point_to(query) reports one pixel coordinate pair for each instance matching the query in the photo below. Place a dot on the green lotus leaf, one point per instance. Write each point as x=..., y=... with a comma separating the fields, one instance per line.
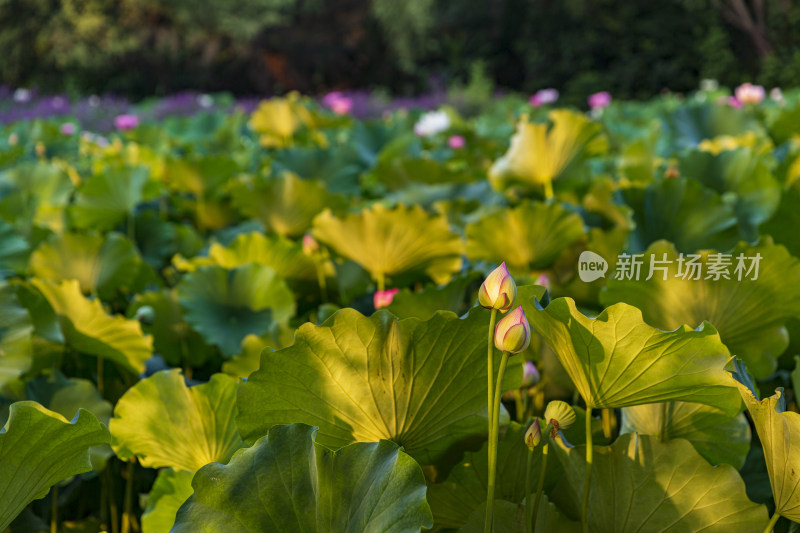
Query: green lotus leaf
x=225, y=306
x=107, y=198
x=527, y=237
x=541, y=152
x=173, y=339
x=510, y=518
x=369, y=378
x=338, y=168
x=16, y=348
x=38, y=194
x=784, y=226
x=779, y=432
x=743, y=173
x=687, y=125
x=423, y=304
x=66, y=396
x=717, y=436
x=642, y=484
x=616, y=360
x=286, y=205
x=88, y=329
x=465, y=487
x=14, y=250
x=397, y=173
x=39, y=448
x=159, y=240
x=682, y=211
x=101, y=264
x=391, y=242
x=750, y=314
x=170, y=490
x=248, y=360
x=199, y=175
x=165, y=423
x=289, y=482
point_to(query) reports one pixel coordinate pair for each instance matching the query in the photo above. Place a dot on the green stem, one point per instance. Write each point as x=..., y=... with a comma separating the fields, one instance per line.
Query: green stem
x=772, y=522
x=112, y=502
x=54, y=510
x=528, y=468
x=519, y=405
x=498, y=392
x=542, y=472
x=127, y=517
x=548, y=190
x=608, y=422
x=381, y=281
x=100, y=386
x=490, y=371
x=588, y=478
x=323, y=286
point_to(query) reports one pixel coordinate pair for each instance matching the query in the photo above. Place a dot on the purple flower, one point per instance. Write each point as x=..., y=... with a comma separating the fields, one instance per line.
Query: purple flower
x=67, y=128
x=126, y=122
x=456, y=142
x=600, y=100
x=337, y=102
x=544, y=97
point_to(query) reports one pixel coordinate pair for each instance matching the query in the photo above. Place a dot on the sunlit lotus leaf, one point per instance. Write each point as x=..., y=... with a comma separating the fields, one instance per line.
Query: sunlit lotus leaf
x=541, y=152
x=423, y=304
x=681, y=211
x=65, y=396
x=617, y=360
x=14, y=250
x=37, y=195
x=750, y=314
x=163, y=422
x=199, y=175
x=779, y=433
x=108, y=198
x=286, y=205
x=510, y=518
x=16, y=349
x=248, y=360
x=224, y=306
x=717, y=436
x=88, y=329
x=101, y=264
x=392, y=242
x=39, y=448
x=369, y=378
x=276, y=120
x=291, y=483
x=785, y=224
x=642, y=484
x=527, y=237
x=170, y=490
x=395, y=173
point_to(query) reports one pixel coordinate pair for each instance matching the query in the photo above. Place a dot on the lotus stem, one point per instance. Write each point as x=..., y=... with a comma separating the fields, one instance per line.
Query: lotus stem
x=772, y=522
x=542, y=473
x=381, y=280
x=498, y=392
x=548, y=190
x=490, y=372
x=127, y=513
x=323, y=286
x=608, y=422
x=528, y=467
x=112, y=502
x=100, y=386
x=588, y=477
x=54, y=510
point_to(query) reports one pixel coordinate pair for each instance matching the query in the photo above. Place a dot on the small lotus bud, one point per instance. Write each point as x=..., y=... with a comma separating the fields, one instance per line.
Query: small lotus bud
x=513, y=333
x=498, y=290
x=560, y=414
x=534, y=435
x=530, y=375
x=310, y=245
x=146, y=315
x=544, y=281
x=384, y=298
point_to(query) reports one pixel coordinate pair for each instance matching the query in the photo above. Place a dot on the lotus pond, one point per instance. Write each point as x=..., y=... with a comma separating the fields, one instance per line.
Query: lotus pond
x=294, y=320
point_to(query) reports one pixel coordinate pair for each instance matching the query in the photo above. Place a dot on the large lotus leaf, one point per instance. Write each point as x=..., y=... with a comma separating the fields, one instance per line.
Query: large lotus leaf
x=510, y=518
x=540, y=152
x=338, y=168
x=88, y=329
x=289, y=482
x=682, y=211
x=779, y=433
x=642, y=484
x=159, y=240
x=165, y=423
x=286, y=205
x=14, y=250
x=39, y=448
x=173, y=339
x=716, y=435
x=785, y=225
x=423, y=304
x=527, y=237
x=396, y=173
x=419, y=383
x=200, y=174
x=749, y=314
x=687, y=125
x=224, y=306
x=248, y=360
x=170, y=490
x=101, y=264
x=107, y=198
x=617, y=360
x=389, y=242
x=39, y=193
x=465, y=487
x=66, y=396
x=16, y=349
x=276, y=120
x=743, y=173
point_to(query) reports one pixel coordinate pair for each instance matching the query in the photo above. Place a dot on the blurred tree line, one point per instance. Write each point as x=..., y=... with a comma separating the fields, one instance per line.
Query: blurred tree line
x=633, y=48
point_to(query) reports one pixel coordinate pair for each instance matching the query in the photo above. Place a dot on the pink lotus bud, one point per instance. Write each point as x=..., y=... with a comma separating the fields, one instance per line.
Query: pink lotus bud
x=513, y=333
x=600, y=100
x=456, y=142
x=67, y=128
x=534, y=435
x=310, y=245
x=126, y=122
x=544, y=97
x=530, y=375
x=338, y=103
x=384, y=298
x=748, y=93
x=498, y=290
x=544, y=281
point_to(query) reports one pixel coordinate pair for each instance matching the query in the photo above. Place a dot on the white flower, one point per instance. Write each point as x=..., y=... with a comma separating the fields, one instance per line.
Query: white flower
x=22, y=95
x=432, y=123
x=776, y=94
x=205, y=100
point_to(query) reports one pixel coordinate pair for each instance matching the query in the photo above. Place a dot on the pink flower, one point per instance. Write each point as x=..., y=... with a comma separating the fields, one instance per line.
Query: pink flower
x=384, y=298
x=530, y=374
x=67, y=128
x=544, y=281
x=498, y=290
x=310, y=245
x=126, y=122
x=544, y=97
x=733, y=102
x=456, y=142
x=747, y=93
x=513, y=333
x=337, y=102
x=600, y=100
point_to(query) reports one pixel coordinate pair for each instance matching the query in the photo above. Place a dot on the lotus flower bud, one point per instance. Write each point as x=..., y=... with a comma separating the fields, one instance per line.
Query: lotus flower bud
x=384, y=298
x=600, y=100
x=530, y=375
x=146, y=315
x=534, y=435
x=747, y=93
x=498, y=290
x=560, y=414
x=513, y=333
x=310, y=245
